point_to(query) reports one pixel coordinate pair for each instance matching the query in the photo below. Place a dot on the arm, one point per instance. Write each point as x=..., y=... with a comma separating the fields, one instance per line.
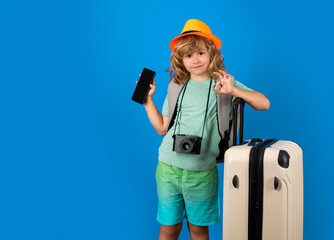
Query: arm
x=255, y=99
x=158, y=121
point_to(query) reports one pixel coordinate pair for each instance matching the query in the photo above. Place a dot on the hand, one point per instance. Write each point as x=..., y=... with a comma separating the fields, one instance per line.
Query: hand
x=225, y=85
x=152, y=88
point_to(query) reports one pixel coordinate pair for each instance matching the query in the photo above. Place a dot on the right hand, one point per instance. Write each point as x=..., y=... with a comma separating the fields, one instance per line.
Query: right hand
x=152, y=86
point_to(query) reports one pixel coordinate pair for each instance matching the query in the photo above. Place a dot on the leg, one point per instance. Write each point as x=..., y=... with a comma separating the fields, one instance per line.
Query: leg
x=198, y=232
x=201, y=195
x=170, y=201
x=170, y=232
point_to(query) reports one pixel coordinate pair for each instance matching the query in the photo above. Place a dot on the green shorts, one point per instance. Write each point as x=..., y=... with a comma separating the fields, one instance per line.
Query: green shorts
x=195, y=193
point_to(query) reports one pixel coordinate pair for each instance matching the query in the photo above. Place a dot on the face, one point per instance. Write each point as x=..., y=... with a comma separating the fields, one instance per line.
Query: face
x=197, y=64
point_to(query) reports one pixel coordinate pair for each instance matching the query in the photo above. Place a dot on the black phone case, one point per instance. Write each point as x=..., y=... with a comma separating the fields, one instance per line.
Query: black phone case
x=143, y=86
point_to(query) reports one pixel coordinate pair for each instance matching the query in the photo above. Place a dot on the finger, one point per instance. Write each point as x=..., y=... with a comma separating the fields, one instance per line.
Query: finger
x=230, y=78
x=152, y=86
x=219, y=91
x=136, y=82
x=218, y=85
x=223, y=73
x=226, y=78
x=218, y=74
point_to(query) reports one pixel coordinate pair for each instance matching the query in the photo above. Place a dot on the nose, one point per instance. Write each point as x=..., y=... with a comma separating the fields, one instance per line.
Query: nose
x=195, y=59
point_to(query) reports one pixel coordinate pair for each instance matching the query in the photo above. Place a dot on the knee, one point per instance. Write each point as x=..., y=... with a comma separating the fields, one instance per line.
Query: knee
x=171, y=231
x=198, y=230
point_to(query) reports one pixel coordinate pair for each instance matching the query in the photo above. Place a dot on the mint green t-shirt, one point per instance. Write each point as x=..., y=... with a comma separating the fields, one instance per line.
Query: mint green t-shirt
x=190, y=122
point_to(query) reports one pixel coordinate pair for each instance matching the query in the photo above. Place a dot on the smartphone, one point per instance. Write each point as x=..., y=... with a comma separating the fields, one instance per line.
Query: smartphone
x=143, y=86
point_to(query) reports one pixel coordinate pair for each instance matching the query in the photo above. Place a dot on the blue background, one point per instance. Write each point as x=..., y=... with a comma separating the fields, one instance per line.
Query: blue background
x=78, y=157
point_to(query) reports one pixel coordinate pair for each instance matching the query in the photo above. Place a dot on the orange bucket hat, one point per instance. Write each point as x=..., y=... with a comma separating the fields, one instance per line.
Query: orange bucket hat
x=196, y=27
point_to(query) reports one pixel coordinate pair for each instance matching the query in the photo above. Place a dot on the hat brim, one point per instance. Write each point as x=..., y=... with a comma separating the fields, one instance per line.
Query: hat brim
x=216, y=41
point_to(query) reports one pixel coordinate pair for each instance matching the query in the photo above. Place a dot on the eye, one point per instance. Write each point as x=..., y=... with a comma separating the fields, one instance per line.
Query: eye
x=187, y=56
x=201, y=53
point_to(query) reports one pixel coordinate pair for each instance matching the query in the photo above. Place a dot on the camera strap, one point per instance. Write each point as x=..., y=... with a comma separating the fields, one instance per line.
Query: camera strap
x=206, y=110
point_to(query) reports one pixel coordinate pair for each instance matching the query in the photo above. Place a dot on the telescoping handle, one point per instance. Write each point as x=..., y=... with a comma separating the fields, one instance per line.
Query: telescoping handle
x=238, y=105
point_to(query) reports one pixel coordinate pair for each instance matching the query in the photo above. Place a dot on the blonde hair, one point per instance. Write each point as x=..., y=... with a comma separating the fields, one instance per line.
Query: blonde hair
x=188, y=44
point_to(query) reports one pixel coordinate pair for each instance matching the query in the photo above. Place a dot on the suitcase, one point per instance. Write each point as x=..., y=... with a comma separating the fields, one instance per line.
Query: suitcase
x=263, y=189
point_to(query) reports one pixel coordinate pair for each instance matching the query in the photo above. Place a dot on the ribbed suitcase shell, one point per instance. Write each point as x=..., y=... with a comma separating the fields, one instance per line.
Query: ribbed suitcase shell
x=282, y=208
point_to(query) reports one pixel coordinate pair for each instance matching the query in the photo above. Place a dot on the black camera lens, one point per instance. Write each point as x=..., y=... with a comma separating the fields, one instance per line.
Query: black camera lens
x=187, y=146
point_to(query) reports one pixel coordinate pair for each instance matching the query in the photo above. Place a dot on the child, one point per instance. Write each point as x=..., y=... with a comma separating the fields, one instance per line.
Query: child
x=192, y=120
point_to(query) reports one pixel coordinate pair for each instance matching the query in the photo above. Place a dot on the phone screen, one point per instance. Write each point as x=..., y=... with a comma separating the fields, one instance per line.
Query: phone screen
x=143, y=86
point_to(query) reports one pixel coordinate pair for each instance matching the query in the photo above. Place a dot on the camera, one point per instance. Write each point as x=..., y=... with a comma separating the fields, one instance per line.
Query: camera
x=187, y=144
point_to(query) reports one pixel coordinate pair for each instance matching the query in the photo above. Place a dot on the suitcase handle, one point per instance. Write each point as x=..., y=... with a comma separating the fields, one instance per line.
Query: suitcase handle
x=238, y=103
x=254, y=141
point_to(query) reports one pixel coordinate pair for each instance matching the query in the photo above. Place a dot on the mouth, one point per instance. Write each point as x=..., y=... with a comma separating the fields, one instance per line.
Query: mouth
x=198, y=66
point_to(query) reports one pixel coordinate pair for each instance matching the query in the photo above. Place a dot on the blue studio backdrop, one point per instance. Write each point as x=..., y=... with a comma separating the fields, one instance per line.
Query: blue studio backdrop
x=78, y=157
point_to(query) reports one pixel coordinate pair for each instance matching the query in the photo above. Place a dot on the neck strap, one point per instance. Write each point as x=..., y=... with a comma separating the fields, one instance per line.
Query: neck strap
x=206, y=110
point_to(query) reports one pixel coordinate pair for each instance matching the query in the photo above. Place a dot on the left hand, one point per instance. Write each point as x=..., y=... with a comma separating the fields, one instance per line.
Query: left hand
x=225, y=85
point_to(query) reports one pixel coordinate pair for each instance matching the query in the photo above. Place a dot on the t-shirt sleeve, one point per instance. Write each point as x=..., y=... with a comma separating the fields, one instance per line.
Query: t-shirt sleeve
x=241, y=86
x=165, y=108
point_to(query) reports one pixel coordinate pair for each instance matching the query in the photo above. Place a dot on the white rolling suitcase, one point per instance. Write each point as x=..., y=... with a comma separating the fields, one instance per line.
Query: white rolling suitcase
x=263, y=191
